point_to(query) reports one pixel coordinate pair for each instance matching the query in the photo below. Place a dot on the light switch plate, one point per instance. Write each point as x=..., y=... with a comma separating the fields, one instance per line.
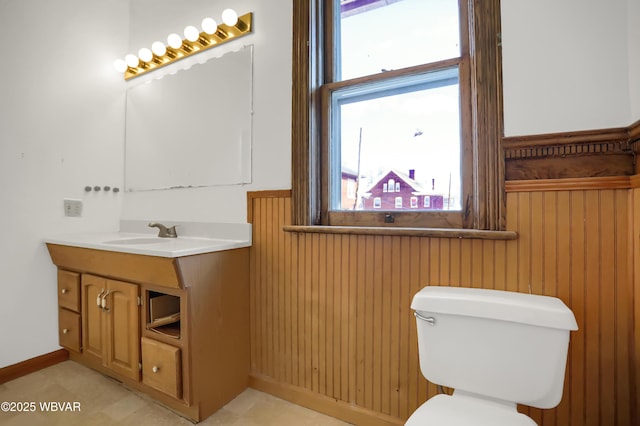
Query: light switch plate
x=72, y=208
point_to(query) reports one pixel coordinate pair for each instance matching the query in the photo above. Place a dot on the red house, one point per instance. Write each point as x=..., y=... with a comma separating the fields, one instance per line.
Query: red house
x=399, y=191
x=349, y=187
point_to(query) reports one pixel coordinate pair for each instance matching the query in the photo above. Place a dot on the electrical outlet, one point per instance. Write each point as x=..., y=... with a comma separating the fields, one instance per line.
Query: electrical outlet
x=72, y=208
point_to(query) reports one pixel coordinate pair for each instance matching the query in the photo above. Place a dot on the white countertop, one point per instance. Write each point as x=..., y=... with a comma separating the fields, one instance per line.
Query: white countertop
x=147, y=243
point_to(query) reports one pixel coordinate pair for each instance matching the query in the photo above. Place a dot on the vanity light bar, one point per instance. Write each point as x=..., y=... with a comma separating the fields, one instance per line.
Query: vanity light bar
x=234, y=26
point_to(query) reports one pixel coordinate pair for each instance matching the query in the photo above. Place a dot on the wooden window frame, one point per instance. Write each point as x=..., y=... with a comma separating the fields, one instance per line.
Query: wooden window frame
x=484, y=206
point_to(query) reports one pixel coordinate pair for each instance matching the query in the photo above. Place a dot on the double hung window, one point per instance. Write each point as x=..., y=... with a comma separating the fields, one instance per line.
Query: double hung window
x=402, y=99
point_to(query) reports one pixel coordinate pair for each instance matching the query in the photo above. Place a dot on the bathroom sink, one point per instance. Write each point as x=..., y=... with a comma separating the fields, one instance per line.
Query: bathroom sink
x=195, y=238
x=133, y=241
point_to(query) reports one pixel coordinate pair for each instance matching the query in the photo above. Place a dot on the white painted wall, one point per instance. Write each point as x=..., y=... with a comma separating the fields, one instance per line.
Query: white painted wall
x=565, y=65
x=61, y=125
x=271, y=158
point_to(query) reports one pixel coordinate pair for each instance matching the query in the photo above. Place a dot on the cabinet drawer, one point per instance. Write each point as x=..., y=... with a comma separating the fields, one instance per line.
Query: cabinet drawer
x=161, y=367
x=69, y=329
x=69, y=290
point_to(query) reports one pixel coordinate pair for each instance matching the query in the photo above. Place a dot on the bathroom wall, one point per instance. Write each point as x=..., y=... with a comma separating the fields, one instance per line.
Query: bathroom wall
x=62, y=121
x=61, y=128
x=332, y=326
x=271, y=157
x=566, y=65
x=634, y=56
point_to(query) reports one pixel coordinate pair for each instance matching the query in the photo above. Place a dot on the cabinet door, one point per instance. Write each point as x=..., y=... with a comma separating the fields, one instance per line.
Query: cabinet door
x=122, y=329
x=92, y=318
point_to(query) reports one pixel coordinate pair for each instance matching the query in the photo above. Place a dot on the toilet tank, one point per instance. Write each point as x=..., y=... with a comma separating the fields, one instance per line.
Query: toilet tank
x=505, y=345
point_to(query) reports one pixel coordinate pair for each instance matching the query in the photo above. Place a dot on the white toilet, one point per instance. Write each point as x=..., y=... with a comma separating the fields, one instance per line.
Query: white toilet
x=495, y=348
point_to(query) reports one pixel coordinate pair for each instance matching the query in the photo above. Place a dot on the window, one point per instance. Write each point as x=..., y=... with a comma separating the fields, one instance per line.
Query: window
x=398, y=202
x=414, y=202
x=396, y=86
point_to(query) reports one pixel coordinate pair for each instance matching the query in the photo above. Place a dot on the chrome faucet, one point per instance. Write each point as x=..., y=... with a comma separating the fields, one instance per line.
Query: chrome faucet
x=164, y=232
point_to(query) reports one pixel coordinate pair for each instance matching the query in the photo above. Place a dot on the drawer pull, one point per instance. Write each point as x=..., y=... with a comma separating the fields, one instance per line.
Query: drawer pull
x=155, y=369
x=65, y=330
x=63, y=291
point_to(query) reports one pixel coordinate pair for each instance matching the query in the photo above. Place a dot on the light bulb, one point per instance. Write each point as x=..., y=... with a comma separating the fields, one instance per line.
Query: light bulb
x=209, y=26
x=229, y=17
x=145, y=54
x=158, y=48
x=191, y=33
x=131, y=60
x=174, y=41
x=120, y=65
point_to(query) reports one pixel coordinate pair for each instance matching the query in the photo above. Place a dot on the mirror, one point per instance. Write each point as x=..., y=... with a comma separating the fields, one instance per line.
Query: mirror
x=191, y=128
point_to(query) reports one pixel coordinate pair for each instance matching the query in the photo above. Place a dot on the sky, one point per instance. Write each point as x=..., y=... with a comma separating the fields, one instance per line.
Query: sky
x=419, y=130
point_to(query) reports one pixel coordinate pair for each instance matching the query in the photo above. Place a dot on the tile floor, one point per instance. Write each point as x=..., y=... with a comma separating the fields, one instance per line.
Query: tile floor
x=106, y=402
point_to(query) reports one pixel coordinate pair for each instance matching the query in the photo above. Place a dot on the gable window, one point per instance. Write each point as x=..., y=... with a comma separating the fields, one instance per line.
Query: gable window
x=406, y=85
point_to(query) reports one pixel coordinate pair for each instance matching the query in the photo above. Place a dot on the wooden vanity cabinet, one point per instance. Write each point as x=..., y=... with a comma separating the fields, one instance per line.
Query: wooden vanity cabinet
x=194, y=364
x=69, y=322
x=111, y=324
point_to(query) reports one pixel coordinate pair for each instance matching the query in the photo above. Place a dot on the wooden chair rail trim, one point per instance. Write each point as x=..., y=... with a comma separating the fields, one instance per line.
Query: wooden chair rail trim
x=599, y=136
x=573, y=184
x=634, y=132
x=590, y=148
x=32, y=365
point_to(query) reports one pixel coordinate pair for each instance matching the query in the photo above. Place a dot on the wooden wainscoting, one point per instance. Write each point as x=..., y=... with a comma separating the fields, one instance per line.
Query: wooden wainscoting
x=332, y=329
x=635, y=236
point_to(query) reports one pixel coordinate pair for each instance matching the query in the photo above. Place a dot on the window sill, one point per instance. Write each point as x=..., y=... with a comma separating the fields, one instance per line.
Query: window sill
x=409, y=232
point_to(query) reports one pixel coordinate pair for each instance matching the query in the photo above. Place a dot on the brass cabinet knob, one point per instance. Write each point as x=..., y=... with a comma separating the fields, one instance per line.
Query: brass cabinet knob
x=63, y=291
x=155, y=369
x=65, y=330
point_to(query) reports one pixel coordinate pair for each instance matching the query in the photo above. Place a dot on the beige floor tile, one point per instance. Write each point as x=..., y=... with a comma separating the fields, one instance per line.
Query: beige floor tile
x=104, y=401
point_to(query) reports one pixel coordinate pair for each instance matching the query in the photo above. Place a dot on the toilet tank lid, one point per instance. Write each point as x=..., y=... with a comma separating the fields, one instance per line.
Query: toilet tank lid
x=542, y=311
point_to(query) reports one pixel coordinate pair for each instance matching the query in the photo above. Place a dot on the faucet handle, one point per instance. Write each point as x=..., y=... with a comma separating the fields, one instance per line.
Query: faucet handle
x=171, y=232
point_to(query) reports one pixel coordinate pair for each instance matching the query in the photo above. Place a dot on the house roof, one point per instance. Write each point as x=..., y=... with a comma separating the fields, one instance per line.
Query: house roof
x=349, y=173
x=415, y=185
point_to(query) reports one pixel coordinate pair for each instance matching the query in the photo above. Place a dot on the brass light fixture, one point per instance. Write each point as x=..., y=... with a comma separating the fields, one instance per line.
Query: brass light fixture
x=177, y=48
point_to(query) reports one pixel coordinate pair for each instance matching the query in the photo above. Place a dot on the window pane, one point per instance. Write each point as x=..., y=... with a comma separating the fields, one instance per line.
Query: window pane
x=379, y=35
x=396, y=140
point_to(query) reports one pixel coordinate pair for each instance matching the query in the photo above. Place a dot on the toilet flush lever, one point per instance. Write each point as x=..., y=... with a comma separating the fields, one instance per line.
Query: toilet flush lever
x=428, y=320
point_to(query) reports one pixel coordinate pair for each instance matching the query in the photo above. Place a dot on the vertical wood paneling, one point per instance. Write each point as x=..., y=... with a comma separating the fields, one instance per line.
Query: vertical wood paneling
x=635, y=270
x=331, y=313
x=577, y=352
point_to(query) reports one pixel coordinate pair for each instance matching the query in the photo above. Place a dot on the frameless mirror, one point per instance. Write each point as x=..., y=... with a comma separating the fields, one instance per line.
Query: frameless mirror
x=191, y=128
